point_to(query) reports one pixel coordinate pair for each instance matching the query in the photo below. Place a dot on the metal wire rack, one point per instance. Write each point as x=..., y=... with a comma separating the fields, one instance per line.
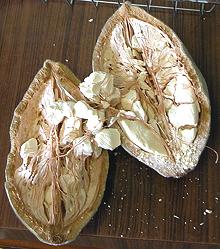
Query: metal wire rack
x=202, y=6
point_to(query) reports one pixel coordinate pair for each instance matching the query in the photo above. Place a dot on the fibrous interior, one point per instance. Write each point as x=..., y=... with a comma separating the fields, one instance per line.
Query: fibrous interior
x=155, y=87
x=61, y=168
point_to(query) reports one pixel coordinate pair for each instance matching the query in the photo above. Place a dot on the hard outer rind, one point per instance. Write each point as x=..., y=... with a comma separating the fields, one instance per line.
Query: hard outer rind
x=40, y=231
x=163, y=166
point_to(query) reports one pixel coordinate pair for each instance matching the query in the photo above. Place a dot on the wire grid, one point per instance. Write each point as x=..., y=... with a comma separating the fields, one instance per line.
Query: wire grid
x=150, y=5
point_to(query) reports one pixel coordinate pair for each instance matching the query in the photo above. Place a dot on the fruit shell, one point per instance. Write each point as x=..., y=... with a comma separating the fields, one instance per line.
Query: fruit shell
x=18, y=130
x=162, y=165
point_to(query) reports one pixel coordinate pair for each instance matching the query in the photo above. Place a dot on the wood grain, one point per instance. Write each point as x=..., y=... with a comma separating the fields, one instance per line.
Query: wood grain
x=140, y=209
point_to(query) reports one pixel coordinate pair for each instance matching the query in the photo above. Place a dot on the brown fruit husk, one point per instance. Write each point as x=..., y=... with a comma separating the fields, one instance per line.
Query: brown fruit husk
x=61, y=225
x=111, y=55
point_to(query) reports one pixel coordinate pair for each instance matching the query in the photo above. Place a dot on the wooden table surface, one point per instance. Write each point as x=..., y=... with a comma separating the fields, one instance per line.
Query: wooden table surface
x=140, y=208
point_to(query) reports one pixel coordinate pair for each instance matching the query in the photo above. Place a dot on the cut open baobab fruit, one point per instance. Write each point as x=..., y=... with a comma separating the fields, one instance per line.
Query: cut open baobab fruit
x=163, y=113
x=56, y=169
